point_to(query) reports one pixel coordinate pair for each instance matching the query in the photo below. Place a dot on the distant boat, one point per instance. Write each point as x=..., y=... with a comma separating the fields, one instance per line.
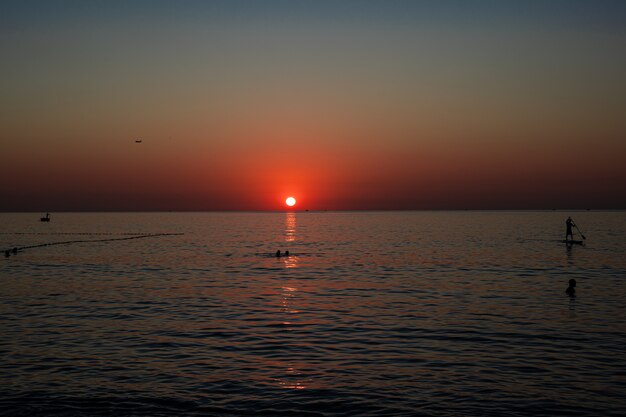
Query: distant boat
x=45, y=219
x=138, y=141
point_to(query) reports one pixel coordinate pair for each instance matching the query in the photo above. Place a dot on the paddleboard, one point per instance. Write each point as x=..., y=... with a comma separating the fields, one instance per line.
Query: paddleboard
x=573, y=242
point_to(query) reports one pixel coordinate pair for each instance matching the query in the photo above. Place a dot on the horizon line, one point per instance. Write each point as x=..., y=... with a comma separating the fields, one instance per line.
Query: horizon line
x=307, y=210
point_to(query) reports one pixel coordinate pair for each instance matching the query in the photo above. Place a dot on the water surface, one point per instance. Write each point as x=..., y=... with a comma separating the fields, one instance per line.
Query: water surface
x=373, y=313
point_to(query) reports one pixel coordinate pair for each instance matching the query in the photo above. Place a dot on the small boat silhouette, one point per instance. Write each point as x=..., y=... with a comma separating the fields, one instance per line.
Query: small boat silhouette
x=138, y=141
x=45, y=219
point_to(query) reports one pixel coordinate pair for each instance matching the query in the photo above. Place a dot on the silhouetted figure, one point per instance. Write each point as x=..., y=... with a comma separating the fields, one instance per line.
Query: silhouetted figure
x=571, y=290
x=286, y=253
x=568, y=228
x=14, y=251
x=278, y=253
x=7, y=253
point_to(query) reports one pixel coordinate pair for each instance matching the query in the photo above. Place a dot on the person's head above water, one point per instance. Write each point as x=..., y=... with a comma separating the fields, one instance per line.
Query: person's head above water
x=571, y=290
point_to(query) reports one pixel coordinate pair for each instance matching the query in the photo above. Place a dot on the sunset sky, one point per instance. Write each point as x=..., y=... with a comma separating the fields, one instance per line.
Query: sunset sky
x=341, y=104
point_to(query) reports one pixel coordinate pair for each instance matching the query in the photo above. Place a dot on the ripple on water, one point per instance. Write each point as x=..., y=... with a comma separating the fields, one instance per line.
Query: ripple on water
x=383, y=314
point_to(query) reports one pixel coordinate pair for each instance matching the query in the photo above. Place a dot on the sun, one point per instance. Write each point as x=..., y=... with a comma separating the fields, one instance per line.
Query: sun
x=290, y=201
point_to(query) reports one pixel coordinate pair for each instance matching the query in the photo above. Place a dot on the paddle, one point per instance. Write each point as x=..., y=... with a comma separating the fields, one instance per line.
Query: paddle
x=581, y=233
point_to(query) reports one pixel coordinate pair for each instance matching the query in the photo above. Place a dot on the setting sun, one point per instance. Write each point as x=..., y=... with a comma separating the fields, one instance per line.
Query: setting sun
x=290, y=201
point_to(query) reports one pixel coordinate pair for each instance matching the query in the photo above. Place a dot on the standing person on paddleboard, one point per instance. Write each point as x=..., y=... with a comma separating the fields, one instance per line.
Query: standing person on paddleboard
x=568, y=228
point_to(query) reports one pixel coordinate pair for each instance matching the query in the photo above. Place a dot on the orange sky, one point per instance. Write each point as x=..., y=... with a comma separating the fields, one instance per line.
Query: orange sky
x=385, y=106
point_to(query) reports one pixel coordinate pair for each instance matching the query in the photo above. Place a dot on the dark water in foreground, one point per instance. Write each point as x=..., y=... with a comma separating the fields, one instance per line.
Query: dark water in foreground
x=374, y=314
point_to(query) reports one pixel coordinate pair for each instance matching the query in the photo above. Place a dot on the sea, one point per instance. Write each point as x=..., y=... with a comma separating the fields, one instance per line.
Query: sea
x=441, y=313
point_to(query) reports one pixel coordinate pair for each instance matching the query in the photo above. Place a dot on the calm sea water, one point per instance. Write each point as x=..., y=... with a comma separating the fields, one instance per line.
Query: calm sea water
x=373, y=314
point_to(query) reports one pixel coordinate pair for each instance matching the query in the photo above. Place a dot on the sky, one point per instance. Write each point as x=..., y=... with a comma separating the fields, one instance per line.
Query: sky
x=345, y=105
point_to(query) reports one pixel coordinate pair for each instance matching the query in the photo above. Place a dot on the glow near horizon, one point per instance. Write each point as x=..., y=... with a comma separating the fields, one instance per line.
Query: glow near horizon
x=465, y=106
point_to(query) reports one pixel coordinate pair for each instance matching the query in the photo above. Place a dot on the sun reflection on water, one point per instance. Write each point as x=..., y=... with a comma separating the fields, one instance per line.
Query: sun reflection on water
x=290, y=261
x=292, y=377
x=290, y=227
x=287, y=294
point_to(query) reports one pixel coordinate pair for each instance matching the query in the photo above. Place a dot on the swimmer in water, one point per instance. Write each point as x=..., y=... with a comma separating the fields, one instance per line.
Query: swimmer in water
x=571, y=290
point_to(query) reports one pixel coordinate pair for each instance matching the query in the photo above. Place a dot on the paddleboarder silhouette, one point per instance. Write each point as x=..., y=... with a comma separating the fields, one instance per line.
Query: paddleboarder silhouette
x=568, y=228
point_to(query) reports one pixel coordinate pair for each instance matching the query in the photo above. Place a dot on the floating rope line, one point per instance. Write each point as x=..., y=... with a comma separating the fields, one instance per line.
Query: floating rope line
x=77, y=233
x=14, y=251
